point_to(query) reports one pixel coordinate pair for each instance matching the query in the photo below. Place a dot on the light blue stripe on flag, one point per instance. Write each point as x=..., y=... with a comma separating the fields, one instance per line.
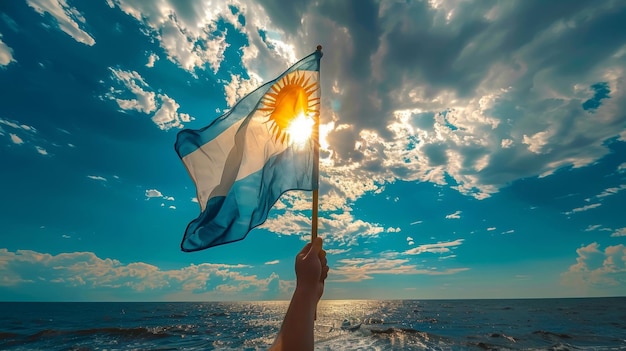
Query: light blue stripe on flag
x=242, y=162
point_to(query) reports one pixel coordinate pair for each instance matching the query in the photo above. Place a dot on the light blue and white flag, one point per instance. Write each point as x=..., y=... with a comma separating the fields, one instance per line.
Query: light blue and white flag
x=247, y=158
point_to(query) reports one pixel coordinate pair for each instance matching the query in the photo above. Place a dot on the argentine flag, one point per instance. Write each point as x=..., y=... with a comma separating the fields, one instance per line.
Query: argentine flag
x=247, y=158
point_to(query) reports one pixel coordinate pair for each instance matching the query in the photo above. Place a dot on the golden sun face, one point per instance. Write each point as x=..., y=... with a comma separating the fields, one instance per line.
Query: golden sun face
x=292, y=106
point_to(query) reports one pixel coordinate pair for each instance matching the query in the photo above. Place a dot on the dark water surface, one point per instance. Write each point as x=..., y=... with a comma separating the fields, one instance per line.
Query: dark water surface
x=528, y=324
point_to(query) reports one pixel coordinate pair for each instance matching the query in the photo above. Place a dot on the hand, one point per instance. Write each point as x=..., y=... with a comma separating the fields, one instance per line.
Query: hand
x=312, y=269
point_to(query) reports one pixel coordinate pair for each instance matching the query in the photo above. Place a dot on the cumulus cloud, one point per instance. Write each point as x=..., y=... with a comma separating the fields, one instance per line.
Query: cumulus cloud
x=340, y=229
x=483, y=93
x=142, y=99
x=187, y=31
x=83, y=272
x=68, y=18
x=596, y=268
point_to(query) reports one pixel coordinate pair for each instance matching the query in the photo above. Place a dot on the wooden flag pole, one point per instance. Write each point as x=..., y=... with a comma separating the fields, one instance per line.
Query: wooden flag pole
x=316, y=163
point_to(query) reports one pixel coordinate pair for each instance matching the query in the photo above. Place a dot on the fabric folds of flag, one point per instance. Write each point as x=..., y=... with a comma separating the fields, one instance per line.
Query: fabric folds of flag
x=247, y=158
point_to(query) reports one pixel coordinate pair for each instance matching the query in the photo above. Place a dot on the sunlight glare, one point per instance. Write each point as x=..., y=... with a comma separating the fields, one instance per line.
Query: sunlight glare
x=300, y=129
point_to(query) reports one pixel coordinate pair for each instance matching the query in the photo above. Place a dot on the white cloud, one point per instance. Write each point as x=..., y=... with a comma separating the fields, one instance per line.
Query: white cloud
x=510, y=231
x=621, y=167
x=591, y=228
x=152, y=59
x=85, y=274
x=153, y=193
x=97, y=178
x=67, y=18
x=597, y=270
x=416, y=222
x=6, y=53
x=491, y=229
x=41, y=150
x=619, y=232
x=168, y=198
x=443, y=247
x=611, y=191
x=146, y=101
x=509, y=114
x=272, y=262
x=240, y=87
x=336, y=228
x=167, y=116
x=358, y=269
x=172, y=207
x=188, y=33
x=455, y=215
x=15, y=139
x=583, y=209
x=142, y=101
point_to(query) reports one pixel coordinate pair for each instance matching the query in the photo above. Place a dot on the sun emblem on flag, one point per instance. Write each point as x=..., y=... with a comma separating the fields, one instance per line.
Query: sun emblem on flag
x=291, y=106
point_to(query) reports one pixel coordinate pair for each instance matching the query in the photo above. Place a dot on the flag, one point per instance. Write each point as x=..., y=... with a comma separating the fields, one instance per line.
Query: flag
x=247, y=158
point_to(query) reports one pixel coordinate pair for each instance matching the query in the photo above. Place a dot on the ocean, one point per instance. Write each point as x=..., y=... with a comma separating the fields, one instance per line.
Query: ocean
x=511, y=324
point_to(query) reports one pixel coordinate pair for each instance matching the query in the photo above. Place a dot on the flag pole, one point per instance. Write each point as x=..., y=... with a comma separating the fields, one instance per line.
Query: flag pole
x=316, y=164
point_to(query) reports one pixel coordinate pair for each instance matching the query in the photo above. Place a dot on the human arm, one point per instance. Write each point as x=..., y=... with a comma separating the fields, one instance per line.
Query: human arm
x=296, y=332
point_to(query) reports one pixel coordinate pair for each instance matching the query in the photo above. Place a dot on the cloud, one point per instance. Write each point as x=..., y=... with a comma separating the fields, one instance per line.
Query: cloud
x=6, y=53
x=153, y=193
x=166, y=115
x=187, y=31
x=582, y=209
x=359, y=269
x=339, y=228
x=596, y=268
x=67, y=18
x=142, y=101
x=455, y=215
x=272, y=262
x=619, y=232
x=491, y=229
x=41, y=150
x=15, y=139
x=480, y=94
x=152, y=59
x=99, y=178
x=84, y=274
x=611, y=191
x=240, y=87
x=442, y=247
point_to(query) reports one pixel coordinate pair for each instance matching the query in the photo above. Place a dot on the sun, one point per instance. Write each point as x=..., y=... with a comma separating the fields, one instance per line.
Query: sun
x=292, y=106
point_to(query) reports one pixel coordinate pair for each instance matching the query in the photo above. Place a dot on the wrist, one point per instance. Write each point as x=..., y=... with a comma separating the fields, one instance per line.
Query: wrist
x=306, y=294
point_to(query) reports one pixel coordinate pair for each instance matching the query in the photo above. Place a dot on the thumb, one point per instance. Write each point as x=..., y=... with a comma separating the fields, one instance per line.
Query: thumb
x=316, y=246
x=305, y=250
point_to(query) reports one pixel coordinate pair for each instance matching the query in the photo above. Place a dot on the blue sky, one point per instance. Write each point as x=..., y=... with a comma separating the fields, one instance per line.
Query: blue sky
x=470, y=149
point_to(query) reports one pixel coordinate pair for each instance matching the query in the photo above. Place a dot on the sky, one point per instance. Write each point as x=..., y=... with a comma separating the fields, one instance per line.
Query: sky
x=469, y=149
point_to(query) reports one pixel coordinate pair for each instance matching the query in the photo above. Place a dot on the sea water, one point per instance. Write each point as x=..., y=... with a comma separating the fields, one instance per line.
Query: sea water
x=528, y=324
